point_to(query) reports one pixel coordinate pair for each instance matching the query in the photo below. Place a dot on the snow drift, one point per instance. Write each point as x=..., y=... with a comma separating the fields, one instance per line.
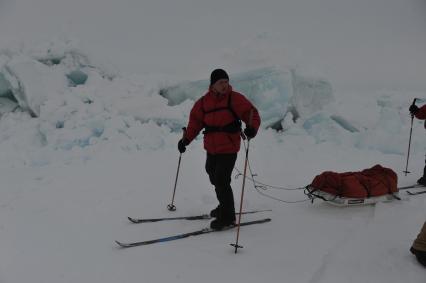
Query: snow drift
x=81, y=107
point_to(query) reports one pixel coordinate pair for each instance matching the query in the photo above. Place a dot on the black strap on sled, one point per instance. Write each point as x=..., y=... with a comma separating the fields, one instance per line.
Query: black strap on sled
x=233, y=127
x=310, y=192
x=365, y=186
x=386, y=183
x=389, y=188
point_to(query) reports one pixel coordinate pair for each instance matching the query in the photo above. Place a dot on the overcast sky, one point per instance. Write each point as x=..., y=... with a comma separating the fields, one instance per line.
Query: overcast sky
x=371, y=44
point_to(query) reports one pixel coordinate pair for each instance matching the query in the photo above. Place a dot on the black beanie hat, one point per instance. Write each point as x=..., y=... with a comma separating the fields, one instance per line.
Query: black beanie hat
x=218, y=74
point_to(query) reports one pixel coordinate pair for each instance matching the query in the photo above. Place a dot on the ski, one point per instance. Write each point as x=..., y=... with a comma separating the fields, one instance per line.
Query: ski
x=185, y=235
x=411, y=187
x=195, y=217
x=415, y=186
x=416, y=193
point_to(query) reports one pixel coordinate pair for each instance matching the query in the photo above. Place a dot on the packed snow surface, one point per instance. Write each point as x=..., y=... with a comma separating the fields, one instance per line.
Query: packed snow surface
x=84, y=143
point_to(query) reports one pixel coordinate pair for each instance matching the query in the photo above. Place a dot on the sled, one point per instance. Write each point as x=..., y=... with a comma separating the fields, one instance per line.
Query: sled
x=369, y=186
x=313, y=194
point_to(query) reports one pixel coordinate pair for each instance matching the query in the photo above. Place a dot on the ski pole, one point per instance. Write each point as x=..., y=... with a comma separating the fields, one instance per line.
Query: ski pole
x=236, y=246
x=409, y=141
x=171, y=206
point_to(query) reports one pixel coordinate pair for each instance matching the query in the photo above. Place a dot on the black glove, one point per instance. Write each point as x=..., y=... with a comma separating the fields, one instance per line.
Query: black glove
x=413, y=109
x=250, y=132
x=182, y=145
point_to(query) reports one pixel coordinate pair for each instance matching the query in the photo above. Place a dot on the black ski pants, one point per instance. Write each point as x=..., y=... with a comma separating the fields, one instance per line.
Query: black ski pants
x=219, y=168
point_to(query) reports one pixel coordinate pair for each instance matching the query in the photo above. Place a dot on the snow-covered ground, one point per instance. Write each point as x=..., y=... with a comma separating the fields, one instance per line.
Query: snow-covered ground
x=59, y=222
x=83, y=145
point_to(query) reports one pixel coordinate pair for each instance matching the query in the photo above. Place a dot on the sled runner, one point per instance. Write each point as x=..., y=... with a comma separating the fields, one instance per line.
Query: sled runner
x=369, y=186
x=344, y=201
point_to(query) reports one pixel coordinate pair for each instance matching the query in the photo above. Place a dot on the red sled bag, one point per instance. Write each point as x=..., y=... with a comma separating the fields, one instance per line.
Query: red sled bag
x=373, y=184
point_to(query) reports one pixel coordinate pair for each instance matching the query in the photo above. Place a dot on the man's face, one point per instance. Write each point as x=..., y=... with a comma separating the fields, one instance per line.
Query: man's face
x=221, y=86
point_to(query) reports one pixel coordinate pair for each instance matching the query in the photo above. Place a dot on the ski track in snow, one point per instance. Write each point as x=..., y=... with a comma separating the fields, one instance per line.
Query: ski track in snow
x=328, y=258
x=344, y=262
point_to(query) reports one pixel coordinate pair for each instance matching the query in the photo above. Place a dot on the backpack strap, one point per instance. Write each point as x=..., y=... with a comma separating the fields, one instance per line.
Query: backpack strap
x=233, y=127
x=230, y=108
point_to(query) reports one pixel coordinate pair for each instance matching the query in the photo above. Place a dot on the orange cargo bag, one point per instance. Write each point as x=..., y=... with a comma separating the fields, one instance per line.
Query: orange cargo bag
x=372, y=182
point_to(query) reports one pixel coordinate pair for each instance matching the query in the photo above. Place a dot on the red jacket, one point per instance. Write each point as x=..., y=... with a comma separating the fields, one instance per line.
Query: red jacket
x=421, y=114
x=212, y=110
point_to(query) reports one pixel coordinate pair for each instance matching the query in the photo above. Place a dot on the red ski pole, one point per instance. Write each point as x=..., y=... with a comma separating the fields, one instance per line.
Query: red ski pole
x=236, y=246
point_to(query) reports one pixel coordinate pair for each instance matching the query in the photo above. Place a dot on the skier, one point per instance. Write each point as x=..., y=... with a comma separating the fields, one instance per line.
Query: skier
x=219, y=112
x=420, y=113
x=419, y=246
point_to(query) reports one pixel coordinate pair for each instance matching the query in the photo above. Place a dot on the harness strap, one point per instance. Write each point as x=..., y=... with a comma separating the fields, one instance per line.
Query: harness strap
x=367, y=187
x=233, y=127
